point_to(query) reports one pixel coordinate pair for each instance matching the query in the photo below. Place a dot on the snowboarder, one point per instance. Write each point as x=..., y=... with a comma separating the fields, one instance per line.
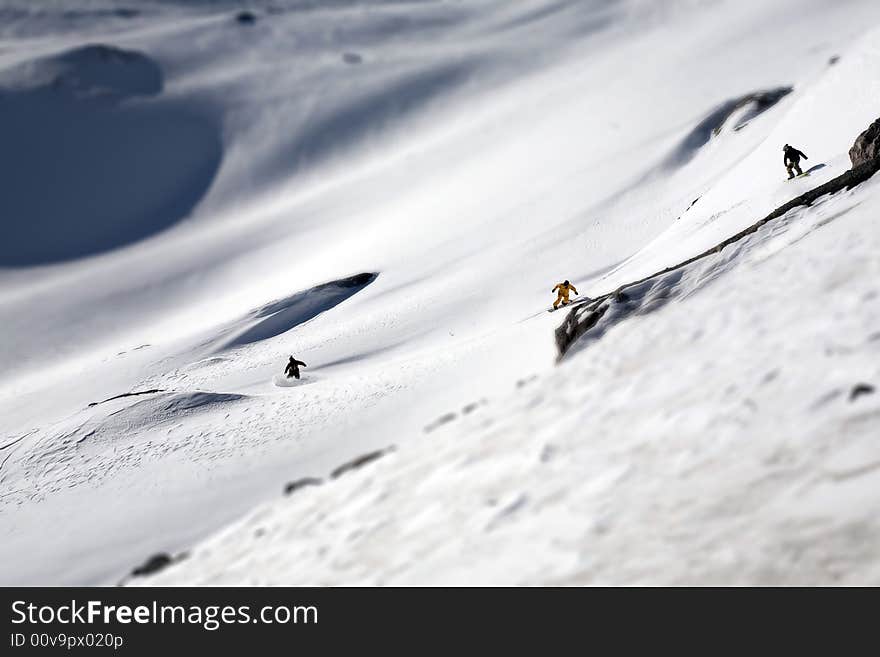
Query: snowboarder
x=792, y=160
x=292, y=369
x=564, y=288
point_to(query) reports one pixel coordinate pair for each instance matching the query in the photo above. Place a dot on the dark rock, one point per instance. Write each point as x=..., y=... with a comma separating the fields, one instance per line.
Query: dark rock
x=246, y=18
x=154, y=564
x=867, y=146
x=577, y=322
x=360, y=462
x=440, y=421
x=770, y=376
x=470, y=408
x=293, y=486
x=860, y=389
x=865, y=155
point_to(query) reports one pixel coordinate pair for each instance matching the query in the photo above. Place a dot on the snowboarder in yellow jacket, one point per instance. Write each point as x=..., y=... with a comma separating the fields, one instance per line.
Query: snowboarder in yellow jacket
x=564, y=288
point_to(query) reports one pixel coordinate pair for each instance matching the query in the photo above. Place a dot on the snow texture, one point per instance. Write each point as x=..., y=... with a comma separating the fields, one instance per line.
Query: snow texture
x=388, y=191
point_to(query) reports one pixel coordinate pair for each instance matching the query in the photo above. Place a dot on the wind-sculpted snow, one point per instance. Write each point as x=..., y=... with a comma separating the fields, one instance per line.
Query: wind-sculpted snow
x=88, y=164
x=91, y=445
x=281, y=316
x=736, y=111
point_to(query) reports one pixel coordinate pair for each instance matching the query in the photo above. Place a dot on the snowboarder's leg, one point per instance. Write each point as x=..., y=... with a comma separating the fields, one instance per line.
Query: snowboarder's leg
x=797, y=167
x=789, y=167
x=557, y=302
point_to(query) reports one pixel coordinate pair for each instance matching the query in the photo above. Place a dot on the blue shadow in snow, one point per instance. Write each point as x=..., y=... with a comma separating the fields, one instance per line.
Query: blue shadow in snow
x=281, y=316
x=88, y=163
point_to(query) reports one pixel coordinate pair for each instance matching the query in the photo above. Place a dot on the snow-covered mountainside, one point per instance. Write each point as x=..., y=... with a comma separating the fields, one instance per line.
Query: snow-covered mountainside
x=388, y=190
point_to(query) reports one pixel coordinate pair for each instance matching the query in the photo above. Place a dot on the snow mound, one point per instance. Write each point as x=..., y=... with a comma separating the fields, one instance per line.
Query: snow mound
x=91, y=71
x=161, y=408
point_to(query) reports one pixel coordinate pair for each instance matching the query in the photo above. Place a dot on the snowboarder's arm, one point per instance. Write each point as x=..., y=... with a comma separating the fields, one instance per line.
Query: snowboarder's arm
x=300, y=363
x=803, y=155
x=574, y=289
x=555, y=287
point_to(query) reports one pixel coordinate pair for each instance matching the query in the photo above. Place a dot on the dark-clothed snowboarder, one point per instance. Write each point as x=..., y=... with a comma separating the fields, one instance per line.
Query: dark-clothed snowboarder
x=564, y=289
x=792, y=159
x=292, y=369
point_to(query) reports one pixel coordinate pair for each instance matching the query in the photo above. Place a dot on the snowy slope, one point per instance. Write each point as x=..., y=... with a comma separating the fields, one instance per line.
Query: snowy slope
x=219, y=184
x=733, y=454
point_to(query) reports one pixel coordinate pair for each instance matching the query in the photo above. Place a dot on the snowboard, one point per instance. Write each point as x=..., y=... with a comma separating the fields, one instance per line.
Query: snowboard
x=800, y=175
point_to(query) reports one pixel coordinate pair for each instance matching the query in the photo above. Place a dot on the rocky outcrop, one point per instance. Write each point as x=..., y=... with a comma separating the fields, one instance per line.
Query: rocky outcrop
x=860, y=389
x=293, y=486
x=867, y=146
x=864, y=154
x=154, y=564
x=439, y=422
x=360, y=462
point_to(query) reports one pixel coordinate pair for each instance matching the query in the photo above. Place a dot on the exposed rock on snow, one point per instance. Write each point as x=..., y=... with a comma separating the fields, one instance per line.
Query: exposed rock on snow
x=293, y=486
x=859, y=390
x=359, y=462
x=156, y=563
x=867, y=146
x=653, y=291
x=153, y=565
x=246, y=18
x=440, y=421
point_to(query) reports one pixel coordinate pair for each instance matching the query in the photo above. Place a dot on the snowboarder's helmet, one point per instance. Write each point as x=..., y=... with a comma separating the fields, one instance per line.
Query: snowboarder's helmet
x=786, y=147
x=566, y=283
